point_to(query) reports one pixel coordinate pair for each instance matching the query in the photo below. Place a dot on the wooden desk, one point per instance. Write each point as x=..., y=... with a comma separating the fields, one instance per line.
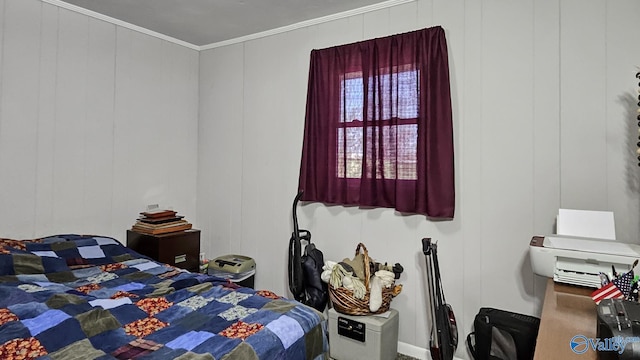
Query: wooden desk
x=567, y=311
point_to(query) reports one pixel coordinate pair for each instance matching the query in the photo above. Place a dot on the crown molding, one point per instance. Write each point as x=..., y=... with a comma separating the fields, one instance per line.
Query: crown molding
x=283, y=29
x=121, y=23
x=302, y=24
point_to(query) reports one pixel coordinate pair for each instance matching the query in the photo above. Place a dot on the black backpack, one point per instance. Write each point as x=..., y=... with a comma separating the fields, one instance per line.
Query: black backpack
x=503, y=335
x=305, y=270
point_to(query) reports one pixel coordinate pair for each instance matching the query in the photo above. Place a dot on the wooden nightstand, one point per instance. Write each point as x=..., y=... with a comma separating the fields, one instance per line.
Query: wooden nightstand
x=180, y=249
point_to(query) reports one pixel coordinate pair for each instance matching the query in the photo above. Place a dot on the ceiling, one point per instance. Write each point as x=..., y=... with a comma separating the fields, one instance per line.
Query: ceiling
x=205, y=22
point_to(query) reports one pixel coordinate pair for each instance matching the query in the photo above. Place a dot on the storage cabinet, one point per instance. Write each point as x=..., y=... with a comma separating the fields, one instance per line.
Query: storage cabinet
x=180, y=249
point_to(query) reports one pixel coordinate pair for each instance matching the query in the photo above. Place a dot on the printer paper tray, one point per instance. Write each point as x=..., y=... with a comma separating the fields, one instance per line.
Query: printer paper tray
x=584, y=273
x=569, y=277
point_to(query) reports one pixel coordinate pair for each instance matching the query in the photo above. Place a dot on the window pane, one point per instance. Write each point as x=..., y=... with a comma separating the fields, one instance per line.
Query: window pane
x=352, y=100
x=396, y=157
x=407, y=154
x=353, y=155
x=397, y=92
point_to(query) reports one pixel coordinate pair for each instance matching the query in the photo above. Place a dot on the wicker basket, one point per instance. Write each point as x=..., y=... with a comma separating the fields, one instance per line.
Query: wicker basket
x=344, y=302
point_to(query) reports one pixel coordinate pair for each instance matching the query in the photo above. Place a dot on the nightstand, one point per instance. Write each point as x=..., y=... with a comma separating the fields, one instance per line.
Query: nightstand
x=180, y=249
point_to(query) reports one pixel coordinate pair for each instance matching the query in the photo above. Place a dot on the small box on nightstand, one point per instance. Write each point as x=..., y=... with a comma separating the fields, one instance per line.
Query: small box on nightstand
x=180, y=248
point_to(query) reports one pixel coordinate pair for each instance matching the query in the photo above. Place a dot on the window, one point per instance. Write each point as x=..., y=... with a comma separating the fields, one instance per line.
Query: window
x=378, y=126
x=398, y=89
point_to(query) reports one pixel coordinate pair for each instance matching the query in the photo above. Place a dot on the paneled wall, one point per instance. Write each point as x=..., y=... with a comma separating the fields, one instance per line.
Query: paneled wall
x=544, y=116
x=96, y=122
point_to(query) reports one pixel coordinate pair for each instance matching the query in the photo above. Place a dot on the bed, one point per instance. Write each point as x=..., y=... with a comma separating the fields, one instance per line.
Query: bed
x=90, y=297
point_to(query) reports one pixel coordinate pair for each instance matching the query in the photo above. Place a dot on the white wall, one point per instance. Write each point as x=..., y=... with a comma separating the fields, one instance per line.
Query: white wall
x=96, y=122
x=544, y=96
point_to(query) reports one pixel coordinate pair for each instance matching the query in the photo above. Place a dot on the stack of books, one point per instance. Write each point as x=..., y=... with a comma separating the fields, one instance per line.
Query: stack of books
x=160, y=222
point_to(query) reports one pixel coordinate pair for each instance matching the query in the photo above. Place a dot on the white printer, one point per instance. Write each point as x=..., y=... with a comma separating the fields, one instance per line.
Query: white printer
x=578, y=260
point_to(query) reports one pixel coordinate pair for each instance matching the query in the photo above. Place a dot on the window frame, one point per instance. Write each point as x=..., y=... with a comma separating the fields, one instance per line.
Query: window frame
x=393, y=122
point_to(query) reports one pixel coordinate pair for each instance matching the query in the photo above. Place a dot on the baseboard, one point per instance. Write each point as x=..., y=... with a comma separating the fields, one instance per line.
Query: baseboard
x=416, y=352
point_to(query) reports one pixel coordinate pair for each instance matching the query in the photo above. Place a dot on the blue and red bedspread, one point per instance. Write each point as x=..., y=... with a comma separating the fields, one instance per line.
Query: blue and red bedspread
x=89, y=297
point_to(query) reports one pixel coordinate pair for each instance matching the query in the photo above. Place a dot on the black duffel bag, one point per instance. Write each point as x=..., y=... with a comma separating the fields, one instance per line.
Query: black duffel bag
x=503, y=335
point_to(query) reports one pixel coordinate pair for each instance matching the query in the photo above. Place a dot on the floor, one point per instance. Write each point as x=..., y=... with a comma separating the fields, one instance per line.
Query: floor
x=405, y=357
x=399, y=357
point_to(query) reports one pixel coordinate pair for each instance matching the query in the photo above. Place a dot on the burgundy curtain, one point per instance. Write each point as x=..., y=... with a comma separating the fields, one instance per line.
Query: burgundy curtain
x=378, y=127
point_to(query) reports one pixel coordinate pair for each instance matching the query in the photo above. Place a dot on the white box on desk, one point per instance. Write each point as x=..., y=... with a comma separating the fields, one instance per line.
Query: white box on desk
x=380, y=337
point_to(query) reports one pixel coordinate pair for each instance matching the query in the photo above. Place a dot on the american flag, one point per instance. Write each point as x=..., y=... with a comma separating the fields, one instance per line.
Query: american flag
x=609, y=291
x=618, y=288
x=624, y=283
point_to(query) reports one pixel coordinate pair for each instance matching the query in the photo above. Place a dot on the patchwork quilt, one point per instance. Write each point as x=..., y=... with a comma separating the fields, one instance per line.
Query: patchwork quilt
x=90, y=297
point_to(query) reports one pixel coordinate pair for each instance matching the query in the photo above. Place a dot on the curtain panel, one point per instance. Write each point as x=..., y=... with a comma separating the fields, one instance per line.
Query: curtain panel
x=378, y=125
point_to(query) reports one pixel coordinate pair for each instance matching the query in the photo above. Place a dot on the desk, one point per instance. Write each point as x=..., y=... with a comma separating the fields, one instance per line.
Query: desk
x=567, y=311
